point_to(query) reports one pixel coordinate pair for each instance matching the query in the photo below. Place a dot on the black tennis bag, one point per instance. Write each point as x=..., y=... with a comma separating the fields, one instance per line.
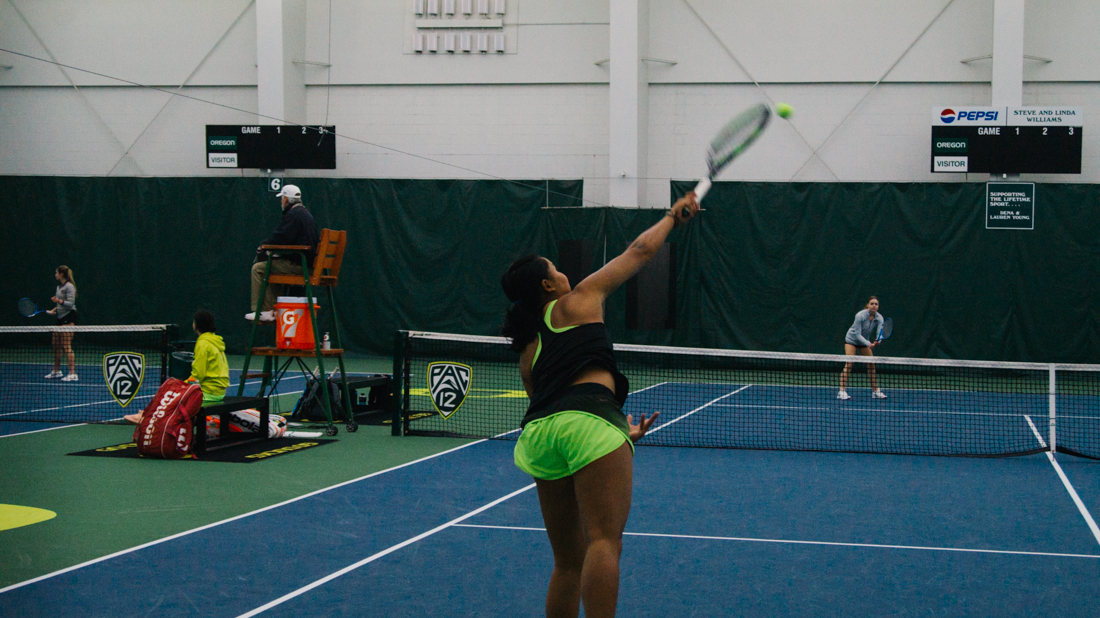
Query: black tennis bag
x=311, y=406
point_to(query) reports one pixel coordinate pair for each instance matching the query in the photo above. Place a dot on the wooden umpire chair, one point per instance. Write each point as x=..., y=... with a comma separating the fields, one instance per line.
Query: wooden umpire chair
x=324, y=272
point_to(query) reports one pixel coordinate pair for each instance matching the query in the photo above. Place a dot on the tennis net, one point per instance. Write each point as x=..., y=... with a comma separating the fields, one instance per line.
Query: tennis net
x=468, y=386
x=118, y=369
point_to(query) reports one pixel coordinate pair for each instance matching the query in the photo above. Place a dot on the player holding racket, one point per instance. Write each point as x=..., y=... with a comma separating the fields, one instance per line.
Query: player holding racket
x=64, y=300
x=858, y=339
x=576, y=441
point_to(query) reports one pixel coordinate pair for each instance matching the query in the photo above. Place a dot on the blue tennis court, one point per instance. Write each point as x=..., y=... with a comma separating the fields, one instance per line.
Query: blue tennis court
x=908, y=421
x=28, y=395
x=712, y=532
x=787, y=401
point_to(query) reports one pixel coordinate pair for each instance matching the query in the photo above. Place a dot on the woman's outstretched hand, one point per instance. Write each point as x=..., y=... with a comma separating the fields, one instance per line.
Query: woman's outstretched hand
x=685, y=208
x=638, y=430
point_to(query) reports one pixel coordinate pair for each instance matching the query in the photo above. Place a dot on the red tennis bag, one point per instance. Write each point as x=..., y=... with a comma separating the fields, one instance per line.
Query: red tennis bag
x=165, y=431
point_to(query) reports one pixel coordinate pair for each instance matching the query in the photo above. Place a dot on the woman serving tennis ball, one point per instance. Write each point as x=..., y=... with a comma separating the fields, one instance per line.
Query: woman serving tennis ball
x=576, y=441
x=858, y=339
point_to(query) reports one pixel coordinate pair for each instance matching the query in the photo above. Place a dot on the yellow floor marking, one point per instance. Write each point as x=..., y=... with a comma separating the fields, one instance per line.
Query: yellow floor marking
x=477, y=393
x=12, y=516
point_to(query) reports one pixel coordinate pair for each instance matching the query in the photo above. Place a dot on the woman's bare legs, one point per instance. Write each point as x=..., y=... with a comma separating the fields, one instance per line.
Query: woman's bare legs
x=870, y=368
x=849, y=350
x=58, y=349
x=67, y=349
x=585, y=516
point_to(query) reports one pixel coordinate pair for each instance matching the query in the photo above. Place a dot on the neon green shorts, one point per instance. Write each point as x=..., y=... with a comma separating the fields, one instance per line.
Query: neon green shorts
x=559, y=445
x=209, y=400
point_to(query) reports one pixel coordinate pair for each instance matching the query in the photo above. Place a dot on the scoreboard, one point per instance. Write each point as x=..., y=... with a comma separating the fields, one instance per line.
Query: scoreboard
x=275, y=147
x=1007, y=140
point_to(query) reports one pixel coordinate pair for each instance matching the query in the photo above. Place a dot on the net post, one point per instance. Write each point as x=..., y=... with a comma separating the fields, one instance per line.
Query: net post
x=1053, y=406
x=398, y=383
x=171, y=333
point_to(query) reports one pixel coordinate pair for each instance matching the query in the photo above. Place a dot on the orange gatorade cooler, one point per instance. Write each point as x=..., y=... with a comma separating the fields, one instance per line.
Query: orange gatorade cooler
x=295, y=327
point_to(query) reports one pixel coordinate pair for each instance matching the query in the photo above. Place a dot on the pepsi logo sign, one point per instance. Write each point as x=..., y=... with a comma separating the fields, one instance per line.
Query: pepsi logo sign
x=949, y=115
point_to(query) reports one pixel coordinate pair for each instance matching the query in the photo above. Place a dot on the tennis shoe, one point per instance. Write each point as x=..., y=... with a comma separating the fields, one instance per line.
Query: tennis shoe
x=265, y=316
x=72, y=377
x=878, y=395
x=843, y=395
x=53, y=374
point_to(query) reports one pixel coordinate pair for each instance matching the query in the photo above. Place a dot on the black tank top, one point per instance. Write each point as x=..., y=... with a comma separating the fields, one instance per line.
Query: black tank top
x=562, y=354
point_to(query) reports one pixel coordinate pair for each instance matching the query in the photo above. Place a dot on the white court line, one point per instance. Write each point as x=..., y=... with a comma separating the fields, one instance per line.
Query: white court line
x=23, y=433
x=890, y=388
x=231, y=519
x=384, y=552
x=519, y=429
x=67, y=385
x=834, y=544
x=640, y=390
x=853, y=410
x=389, y=550
x=680, y=418
x=74, y=405
x=1069, y=487
x=94, y=403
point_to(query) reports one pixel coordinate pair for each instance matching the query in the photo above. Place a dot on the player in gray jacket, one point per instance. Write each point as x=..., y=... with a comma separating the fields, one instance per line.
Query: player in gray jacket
x=65, y=310
x=858, y=340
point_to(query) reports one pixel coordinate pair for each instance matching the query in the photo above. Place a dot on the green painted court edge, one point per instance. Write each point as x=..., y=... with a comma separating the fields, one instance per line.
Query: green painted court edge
x=106, y=505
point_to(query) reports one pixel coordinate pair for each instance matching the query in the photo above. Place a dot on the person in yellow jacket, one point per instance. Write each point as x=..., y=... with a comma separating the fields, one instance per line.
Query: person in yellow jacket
x=210, y=368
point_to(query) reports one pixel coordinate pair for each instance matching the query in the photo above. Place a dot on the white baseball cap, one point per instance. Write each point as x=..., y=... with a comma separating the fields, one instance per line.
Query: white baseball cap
x=290, y=191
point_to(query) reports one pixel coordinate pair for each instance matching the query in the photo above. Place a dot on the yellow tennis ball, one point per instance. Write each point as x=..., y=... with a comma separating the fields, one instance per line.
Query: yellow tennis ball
x=783, y=110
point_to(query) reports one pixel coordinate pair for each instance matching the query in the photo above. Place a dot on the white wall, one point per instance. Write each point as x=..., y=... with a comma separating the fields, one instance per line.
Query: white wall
x=542, y=111
x=522, y=131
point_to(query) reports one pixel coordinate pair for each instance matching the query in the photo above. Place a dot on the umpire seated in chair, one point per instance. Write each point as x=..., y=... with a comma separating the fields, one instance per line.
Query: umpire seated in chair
x=296, y=228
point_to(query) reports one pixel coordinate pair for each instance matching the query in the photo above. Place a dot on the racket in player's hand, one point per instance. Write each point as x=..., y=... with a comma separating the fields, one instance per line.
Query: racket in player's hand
x=684, y=209
x=638, y=430
x=886, y=330
x=732, y=140
x=29, y=308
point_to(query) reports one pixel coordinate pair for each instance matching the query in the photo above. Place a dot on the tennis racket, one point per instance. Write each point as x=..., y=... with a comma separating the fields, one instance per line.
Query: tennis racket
x=29, y=308
x=886, y=330
x=732, y=140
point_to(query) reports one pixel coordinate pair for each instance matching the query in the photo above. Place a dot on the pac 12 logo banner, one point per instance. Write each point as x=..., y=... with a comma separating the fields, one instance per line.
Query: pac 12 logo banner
x=124, y=372
x=448, y=384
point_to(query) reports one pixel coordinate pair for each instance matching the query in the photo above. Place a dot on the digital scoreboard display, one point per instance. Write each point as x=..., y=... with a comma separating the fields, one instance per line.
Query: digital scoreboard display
x=1012, y=140
x=273, y=147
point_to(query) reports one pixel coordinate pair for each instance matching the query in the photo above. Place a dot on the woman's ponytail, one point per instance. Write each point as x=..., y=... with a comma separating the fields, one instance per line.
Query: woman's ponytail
x=522, y=282
x=67, y=273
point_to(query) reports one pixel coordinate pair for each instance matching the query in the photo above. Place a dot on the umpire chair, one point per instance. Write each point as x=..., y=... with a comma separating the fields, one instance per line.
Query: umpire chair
x=324, y=272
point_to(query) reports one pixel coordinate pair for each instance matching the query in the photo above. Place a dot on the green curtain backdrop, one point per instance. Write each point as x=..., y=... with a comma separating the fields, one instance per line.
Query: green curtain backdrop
x=421, y=254
x=786, y=267
x=767, y=266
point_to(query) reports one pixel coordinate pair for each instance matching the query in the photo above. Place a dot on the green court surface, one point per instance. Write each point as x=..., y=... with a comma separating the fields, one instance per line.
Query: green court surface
x=105, y=505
